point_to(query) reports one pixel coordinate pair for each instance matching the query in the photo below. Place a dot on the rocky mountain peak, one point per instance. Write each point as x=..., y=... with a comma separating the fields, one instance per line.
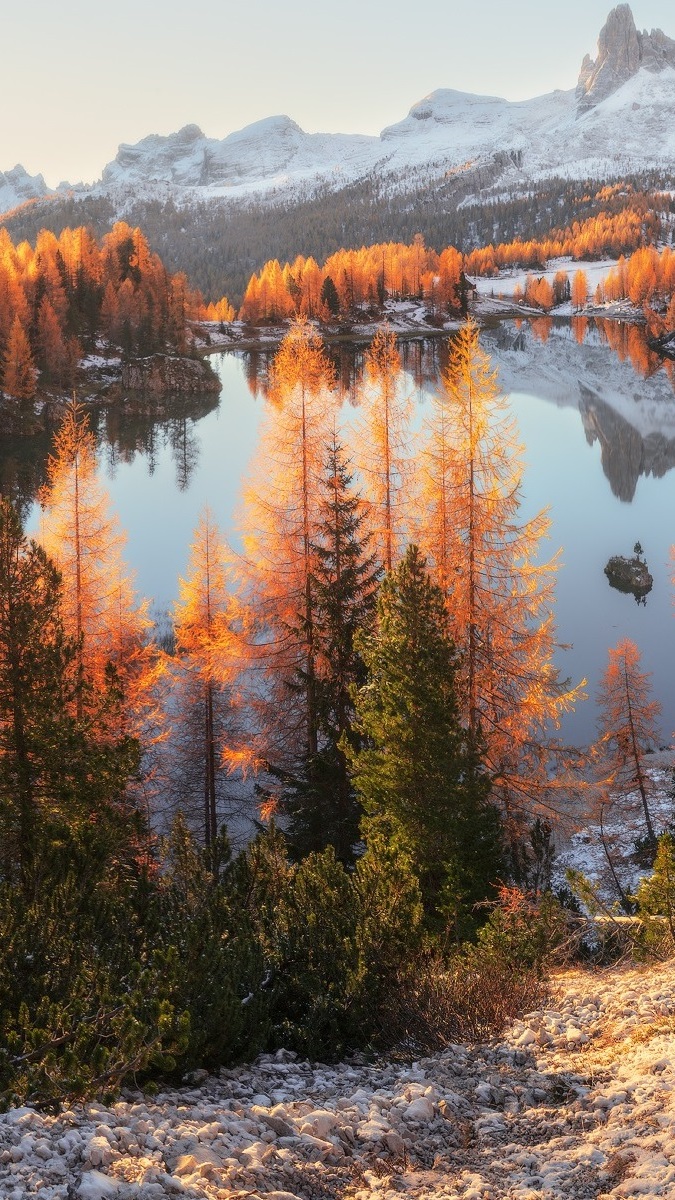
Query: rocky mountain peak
x=622, y=51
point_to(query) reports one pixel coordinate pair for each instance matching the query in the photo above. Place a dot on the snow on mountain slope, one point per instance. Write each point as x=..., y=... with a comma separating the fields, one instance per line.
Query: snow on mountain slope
x=268, y=151
x=635, y=125
x=620, y=118
x=17, y=186
x=459, y=127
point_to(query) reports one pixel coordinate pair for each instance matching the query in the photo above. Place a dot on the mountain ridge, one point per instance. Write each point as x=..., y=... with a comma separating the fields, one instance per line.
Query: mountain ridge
x=621, y=115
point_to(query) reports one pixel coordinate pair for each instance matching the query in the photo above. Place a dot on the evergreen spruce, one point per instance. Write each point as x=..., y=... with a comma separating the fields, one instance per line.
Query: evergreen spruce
x=419, y=774
x=320, y=797
x=329, y=296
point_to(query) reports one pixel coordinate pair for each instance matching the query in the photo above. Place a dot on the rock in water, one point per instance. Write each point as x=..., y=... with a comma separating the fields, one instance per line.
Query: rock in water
x=629, y=575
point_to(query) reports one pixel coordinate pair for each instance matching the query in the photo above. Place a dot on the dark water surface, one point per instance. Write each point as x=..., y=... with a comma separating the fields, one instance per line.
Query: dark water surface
x=596, y=414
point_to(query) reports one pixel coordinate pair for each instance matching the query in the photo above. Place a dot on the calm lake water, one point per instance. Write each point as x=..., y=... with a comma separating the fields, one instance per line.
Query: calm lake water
x=598, y=425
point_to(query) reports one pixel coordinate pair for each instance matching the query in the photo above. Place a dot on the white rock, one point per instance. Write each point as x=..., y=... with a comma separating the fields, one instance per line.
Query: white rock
x=96, y=1186
x=421, y=1110
x=320, y=1123
x=371, y=1131
x=98, y=1152
x=207, y=1133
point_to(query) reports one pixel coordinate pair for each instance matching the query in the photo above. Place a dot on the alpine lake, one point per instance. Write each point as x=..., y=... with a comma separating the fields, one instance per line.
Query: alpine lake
x=596, y=416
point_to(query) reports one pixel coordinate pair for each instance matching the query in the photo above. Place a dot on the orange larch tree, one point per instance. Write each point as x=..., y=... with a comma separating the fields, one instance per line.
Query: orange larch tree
x=628, y=723
x=59, y=354
x=383, y=437
x=205, y=669
x=18, y=377
x=499, y=595
x=579, y=291
x=279, y=520
x=100, y=609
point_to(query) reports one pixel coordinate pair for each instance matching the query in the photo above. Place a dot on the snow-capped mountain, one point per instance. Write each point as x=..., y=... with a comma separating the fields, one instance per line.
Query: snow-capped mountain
x=269, y=152
x=619, y=118
x=17, y=186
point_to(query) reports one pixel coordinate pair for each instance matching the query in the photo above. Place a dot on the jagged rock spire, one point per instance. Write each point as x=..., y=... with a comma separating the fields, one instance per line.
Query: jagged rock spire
x=622, y=51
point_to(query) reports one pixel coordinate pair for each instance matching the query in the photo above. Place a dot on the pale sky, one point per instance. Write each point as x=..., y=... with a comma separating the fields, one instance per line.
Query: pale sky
x=79, y=78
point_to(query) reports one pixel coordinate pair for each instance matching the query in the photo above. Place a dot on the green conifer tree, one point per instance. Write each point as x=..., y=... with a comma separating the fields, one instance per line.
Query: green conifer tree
x=419, y=773
x=63, y=770
x=320, y=796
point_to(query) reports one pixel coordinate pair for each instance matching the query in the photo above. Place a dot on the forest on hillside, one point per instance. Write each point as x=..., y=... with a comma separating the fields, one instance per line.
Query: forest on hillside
x=68, y=296
x=220, y=245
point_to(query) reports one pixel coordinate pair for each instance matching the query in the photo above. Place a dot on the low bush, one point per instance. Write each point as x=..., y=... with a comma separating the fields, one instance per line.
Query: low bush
x=471, y=997
x=208, y=961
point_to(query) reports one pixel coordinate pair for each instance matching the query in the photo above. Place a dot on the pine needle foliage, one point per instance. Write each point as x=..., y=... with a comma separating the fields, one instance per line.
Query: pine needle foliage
x=320, y=797
x=419, y=773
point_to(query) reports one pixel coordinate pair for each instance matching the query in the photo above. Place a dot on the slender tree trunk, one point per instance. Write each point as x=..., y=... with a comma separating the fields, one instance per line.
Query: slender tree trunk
x=312, y=731
x=389, y=553
x=640, y=779
x=78, y=593
x=472, y=648
x=24, y=781
x=210, y=821
x=623, y=898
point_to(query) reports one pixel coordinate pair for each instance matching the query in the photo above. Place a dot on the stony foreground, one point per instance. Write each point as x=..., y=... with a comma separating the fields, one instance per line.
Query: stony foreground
x=577, y=1101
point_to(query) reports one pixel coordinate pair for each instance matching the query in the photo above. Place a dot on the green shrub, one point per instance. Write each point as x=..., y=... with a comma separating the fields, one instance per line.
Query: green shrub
x=80, y=1008
x=656, y=901
x=524, y=931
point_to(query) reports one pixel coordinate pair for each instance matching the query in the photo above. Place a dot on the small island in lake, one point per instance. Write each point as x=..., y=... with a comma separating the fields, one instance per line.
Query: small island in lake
x=630, y=574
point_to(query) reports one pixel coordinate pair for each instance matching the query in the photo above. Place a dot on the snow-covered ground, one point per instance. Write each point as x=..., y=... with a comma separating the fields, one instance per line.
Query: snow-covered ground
x=405, y=317
x=623, y=824
x=576, y=1101
x=506, y=283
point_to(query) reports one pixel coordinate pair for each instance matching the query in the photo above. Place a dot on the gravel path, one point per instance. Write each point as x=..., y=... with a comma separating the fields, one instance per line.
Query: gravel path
x=577, y=1100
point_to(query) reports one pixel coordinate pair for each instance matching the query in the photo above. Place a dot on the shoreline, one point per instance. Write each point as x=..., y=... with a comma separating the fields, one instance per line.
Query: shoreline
x=404, y=321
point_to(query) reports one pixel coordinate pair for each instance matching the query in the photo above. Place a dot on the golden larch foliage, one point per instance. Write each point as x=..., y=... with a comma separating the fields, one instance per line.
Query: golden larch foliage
x=18, y=377
x=99, y=607
x=206, y=668
x=628, y=722
x=499, y=593
x=279, y=520
x=382, y=443
x=579, y=290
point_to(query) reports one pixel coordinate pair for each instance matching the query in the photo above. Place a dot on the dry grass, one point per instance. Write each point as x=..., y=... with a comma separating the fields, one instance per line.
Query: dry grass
x=469, y=999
